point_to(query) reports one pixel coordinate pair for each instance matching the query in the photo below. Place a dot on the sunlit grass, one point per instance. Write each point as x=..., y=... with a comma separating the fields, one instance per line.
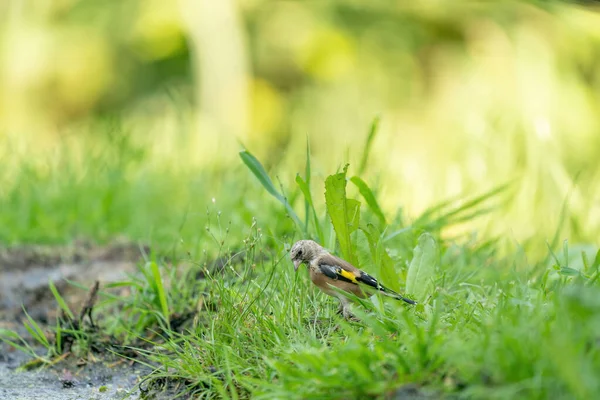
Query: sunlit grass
x=469, y=100
x=101, y=186
x=480, y=175
x=216, y=308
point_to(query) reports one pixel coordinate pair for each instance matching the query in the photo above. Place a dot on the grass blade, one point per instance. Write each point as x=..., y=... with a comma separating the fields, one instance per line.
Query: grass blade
x=369, y=197
x=305, y=189
x=259, y=172
x=35, y=330
x=59, y=299
x=595, y=267
x=367, y=150
x=10, y=338
x=162, y=296
x=447, y=215
x=307, y=174
x=596, y=263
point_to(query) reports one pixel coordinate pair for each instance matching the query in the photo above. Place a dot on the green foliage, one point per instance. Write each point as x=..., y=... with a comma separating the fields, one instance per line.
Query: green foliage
x=456, y=211
x=369, y=196
x=368, y=143
x=422, y=270
x=304, y=187
x=386, y=269
x=159, y=290
x=343, y=212
x=498, y=323
x=504, y=319
x=16, y=341
x=309, y=207
x=259, y=172
x=59, y=299
x=36, y=331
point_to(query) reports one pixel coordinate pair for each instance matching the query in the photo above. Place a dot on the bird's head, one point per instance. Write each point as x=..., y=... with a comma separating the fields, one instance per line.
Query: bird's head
x=303, y=251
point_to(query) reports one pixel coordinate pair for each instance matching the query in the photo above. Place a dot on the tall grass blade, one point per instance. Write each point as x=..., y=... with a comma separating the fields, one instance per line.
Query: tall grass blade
x=307, y=176
x=367, y=150
x=595, y=267
x=596, y=263
x=369, y=197
x=447, y=215
x=259, y=172
x=305, y=189
x=59, y=299
x=35, y=330
x=9, y=338
x=162, y=296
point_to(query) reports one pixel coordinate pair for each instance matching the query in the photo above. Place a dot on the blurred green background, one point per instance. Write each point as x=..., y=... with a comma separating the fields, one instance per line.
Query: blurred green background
x=472, y=94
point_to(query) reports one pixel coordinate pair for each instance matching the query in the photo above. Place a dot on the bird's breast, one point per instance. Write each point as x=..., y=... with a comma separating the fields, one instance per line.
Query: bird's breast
x=320, y=281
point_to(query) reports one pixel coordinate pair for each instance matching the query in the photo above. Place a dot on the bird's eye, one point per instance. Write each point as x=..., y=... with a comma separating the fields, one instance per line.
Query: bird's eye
x=299, y=253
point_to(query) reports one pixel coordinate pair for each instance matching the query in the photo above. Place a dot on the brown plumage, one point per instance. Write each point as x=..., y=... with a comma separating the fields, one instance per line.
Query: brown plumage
x=327, y=270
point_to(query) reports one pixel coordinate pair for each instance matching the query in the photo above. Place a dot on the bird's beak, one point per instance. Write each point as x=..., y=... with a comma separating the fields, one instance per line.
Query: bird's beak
x=297, y=264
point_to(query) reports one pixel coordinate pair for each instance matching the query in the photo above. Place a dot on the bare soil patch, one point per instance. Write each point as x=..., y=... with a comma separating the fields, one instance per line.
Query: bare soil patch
x=24, y=275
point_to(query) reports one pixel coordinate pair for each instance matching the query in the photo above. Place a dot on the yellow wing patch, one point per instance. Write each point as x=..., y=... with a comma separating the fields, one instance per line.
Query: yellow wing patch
x=348, y=275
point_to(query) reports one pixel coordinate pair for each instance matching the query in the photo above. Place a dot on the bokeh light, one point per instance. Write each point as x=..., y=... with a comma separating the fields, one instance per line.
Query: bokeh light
x=471, y=94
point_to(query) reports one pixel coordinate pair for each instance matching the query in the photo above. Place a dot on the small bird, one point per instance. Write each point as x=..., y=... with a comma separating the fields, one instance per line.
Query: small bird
x=327, y=270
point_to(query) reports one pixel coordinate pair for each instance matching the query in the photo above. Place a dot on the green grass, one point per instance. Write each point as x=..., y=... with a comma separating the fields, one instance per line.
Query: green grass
x=491, y=321
x=98, y=186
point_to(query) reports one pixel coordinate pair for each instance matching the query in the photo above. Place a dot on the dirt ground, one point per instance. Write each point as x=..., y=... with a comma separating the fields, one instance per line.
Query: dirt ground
x=24, y=275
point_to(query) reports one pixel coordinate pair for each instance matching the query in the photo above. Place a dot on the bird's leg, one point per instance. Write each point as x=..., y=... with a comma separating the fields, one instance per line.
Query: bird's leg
x=345, y=309
x=347, y=313
x=340, y=308
x=344, y=302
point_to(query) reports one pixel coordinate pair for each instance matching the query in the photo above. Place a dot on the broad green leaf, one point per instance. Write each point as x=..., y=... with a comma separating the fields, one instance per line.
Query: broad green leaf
x=367, y=193
x=305, y=189
x=364, y=249
x=421, y=271
x=343, y=212
x=386, y=270
x=353, y=209
x=259, y=172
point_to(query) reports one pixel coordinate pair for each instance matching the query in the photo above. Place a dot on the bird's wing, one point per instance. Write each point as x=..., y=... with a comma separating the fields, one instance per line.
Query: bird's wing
x=335, y=268
x=338, y=269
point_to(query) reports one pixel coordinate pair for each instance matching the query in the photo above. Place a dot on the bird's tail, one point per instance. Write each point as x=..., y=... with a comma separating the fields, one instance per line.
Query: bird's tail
x=397, y=296
x=374, y=284
x=406, y=300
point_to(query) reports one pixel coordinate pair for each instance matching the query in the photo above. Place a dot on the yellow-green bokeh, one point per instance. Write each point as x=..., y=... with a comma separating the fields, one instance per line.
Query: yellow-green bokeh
x=471, y=94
